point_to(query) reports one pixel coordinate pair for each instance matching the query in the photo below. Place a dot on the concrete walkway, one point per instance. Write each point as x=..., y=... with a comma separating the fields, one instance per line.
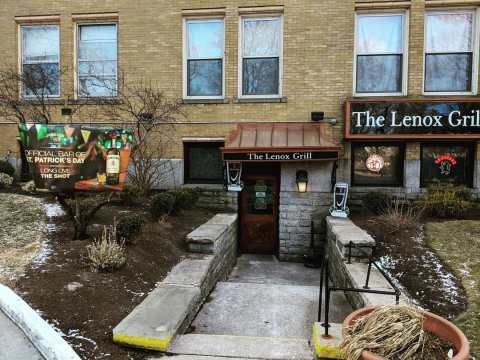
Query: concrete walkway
x=14, y=345
x=264, y=310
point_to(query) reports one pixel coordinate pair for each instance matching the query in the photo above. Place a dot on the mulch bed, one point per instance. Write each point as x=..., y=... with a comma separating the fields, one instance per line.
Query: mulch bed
x=96, y=302
x=409, y=260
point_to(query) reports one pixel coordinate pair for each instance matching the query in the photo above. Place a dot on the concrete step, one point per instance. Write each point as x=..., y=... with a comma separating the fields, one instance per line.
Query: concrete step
x=243, y=347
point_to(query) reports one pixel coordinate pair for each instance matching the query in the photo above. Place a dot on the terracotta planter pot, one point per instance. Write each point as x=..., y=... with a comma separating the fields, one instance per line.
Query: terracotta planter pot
x=434, y=324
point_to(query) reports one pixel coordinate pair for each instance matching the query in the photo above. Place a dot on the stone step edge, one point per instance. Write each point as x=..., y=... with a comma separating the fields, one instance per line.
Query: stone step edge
x=171, y=350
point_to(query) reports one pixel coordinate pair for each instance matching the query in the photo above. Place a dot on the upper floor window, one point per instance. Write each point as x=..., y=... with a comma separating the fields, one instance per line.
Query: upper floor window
x=97, y=60
x=261, y=56
x=40, y=57
x=449, y=52
x=204, y=58
x=380, y=61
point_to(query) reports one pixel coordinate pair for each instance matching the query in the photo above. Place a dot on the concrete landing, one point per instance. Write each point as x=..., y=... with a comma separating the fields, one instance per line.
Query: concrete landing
x=14, y=345
x=260, y=269
x=242, y=347
x=244, y=309
x=265, y=297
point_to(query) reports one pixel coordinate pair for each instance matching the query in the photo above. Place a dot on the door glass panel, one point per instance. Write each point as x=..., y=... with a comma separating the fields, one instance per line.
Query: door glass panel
x=260, y=197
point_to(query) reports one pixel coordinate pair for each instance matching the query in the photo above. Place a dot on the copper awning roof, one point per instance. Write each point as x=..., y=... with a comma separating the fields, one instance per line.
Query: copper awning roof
x=282, y=138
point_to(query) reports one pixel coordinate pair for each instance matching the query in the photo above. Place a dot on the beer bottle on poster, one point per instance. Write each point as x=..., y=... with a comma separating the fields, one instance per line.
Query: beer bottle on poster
x=113, y=164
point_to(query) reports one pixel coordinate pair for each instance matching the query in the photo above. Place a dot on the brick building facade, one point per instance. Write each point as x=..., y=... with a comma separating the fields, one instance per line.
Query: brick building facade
x=319, y=54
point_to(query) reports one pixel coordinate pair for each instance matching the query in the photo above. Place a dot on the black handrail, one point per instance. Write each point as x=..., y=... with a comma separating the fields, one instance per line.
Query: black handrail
x=325, y=277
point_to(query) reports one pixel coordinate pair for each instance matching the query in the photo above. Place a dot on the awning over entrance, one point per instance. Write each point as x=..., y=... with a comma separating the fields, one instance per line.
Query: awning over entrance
x=280, y=142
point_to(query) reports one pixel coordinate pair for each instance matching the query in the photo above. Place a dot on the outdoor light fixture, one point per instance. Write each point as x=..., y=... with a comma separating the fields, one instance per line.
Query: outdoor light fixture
x=302, y=181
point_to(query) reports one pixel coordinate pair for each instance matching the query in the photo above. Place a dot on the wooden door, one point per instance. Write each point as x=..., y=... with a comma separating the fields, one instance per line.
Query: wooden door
x=258, y=214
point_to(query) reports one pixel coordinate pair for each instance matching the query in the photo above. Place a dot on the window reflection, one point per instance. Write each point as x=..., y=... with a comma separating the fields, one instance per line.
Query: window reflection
x=449, y=53
x=379, y=50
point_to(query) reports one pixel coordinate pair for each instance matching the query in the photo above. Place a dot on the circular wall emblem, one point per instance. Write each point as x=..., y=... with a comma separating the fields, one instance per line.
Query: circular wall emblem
x=375, y=163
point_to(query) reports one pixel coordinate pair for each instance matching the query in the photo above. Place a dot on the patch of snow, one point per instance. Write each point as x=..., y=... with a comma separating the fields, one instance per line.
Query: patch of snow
x=53, y=209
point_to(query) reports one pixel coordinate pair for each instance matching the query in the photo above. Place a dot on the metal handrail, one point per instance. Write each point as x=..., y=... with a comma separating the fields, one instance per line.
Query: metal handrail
x=325, y=276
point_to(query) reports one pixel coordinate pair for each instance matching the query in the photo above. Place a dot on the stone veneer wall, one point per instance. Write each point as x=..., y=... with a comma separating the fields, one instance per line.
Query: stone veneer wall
x=297, y=210
x=218, y=199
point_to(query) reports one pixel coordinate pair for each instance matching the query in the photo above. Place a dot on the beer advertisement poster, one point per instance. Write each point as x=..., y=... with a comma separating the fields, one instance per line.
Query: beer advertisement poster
x=66, y=157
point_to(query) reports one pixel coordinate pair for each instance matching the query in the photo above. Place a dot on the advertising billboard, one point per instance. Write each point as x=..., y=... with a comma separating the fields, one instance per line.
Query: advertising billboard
x=68, y=157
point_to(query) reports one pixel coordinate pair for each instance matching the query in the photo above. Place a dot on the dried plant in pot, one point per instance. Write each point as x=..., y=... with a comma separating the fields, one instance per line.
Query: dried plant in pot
x=401, y=332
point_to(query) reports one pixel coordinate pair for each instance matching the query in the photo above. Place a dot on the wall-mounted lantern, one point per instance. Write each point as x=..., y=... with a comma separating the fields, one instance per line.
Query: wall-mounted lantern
x=302, y=181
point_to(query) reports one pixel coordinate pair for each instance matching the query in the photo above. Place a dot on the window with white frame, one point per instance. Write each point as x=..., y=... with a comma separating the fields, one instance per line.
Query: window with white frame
x=261, y=56
x=449, y=54
x=380, y=53
x=204, y=58
x=97, y=60
x=40, y=58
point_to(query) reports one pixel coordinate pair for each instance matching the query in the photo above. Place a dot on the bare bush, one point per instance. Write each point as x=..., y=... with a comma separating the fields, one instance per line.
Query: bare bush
x=106, y=253
x=142, y=104
x=400, y=214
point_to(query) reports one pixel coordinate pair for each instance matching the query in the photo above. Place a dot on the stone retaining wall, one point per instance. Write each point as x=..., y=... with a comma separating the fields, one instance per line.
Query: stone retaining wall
x=353, y=275
x=170, y=308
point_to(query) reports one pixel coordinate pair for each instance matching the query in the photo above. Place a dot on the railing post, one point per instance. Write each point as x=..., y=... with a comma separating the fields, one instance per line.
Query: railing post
x=369, y=270
x=320, y=299
x=327, y=300
x=349, y=252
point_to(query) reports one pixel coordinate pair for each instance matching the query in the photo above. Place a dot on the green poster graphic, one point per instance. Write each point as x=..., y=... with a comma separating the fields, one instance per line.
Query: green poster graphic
x=66, y=157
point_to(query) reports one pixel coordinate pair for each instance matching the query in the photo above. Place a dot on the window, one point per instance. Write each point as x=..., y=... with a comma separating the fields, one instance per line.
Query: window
x=204, y=50
x=380, y=60
x=40, y=60
x=447, y=163
x=377, y=164
x=203, y=162
x=97, y=60
x=261, y=57
x=449, y=55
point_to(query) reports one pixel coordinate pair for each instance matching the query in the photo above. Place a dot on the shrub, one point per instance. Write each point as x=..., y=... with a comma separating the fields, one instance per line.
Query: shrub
x=130, y=195
x=377, y=201
x=106, y=254
x=5, y=180
x=129, y=226
x=446, y=200
x=6, y=168
x=162, y=204
x=185, y=198
x=29, y=187
x=401, y=215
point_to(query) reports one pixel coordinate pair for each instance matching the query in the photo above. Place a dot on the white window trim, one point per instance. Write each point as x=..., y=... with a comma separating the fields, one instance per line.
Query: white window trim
x=475, y=45
x=76, y=59
x=406, y=32
x=185, y=56
x=240, y=57
x=20, y=59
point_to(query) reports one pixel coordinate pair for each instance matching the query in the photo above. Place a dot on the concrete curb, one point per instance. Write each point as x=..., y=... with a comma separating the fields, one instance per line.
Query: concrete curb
x=47, y=341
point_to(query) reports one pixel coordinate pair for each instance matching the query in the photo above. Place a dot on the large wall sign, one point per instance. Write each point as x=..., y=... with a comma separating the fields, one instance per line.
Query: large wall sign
x=284, y=156
x=418, y=119
x=76, y=157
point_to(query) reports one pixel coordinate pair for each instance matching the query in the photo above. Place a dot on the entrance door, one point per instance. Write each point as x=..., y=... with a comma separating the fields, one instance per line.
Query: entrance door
x=258, y=217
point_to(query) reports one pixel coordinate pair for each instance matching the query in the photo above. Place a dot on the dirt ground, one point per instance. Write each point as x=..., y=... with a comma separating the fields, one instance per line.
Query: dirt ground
x=84, y=305
x=415, y=266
